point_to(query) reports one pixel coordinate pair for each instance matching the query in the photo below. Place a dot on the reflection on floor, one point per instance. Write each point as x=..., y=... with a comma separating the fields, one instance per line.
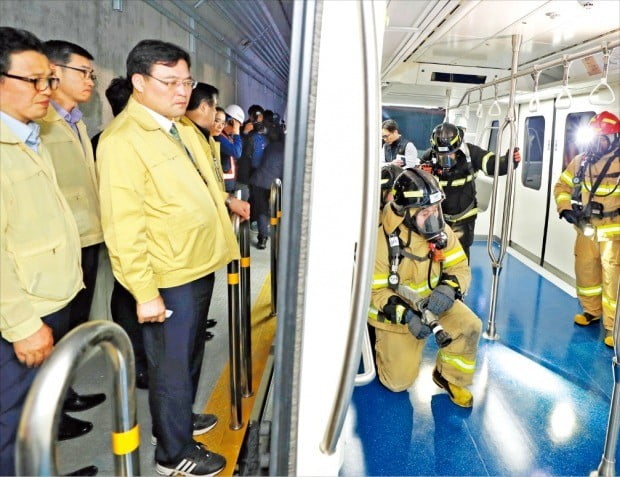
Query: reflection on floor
x=541, y=394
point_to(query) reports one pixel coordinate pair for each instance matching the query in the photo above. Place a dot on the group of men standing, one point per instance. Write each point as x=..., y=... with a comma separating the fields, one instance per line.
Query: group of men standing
x=156, y=199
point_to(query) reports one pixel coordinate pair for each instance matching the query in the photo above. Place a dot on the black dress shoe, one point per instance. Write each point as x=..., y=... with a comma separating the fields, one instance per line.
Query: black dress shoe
x=210, y=323
x=262, y=243
x=142, y=380
x=90, y=470
x=82, y=402
x=208, y=336
x=70, y=427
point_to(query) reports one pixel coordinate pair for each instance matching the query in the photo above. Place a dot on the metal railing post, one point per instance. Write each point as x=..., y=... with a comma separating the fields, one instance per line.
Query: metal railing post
x=496, y=260
x=607, y=467
x=38, y=426
x=275, y=206
x=234, y=338
x=246, y=310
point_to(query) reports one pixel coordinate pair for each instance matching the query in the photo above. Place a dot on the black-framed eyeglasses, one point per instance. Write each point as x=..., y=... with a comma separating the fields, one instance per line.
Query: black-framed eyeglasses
x=40, y=84
x=86, y=73
x=385, y=136
x=187, y=83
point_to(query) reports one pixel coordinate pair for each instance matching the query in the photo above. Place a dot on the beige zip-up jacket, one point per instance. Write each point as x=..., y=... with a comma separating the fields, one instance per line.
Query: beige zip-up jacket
x=75, y=170
x=40, y=243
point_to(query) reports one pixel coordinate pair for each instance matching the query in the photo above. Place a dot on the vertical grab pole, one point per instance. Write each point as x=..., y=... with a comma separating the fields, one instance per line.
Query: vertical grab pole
x=234, y=338
x=607, y=467
x=496, y=261
x=246, y=309
x=275, y=206
x=38, y=424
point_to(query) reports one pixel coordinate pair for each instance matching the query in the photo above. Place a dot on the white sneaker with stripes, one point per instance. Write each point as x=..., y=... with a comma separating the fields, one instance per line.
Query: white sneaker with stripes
x=196, y=460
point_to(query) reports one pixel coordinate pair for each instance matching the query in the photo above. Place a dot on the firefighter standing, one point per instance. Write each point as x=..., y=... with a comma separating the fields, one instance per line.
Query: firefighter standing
x=587, y=195
x=417, y=254
x=455, y=163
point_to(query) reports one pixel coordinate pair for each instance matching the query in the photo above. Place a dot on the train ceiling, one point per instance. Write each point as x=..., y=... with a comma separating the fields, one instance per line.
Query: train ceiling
x=424, y=39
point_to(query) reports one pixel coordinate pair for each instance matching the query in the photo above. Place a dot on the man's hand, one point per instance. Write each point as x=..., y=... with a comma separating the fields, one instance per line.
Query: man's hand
x=153, y=311
x=35, y=349
x=248, y=127
x=239, y=207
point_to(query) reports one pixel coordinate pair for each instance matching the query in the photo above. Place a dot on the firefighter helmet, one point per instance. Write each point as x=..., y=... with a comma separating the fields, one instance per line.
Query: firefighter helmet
x=446, y=139
x=606, y=128
x=389, y=173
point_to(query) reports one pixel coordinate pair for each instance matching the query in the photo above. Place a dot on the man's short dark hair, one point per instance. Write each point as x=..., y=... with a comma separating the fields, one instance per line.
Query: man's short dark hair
x=118, y=94
x=60, y=51
x=390, y=125
x=254, y=111
x=150, y=52
x=13, y=40
x=202, y=92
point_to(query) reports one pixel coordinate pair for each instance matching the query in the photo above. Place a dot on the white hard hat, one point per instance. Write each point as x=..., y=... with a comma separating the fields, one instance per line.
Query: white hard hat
x=235, y=112
x=461, y=122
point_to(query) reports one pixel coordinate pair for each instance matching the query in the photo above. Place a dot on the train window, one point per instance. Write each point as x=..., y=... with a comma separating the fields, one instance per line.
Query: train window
x=574, y=138
x=531, y=172
x=493, y=136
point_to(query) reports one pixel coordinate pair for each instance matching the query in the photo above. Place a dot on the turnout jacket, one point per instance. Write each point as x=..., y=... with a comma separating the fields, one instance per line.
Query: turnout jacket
x=413, y=273
x=458, y=183
x=162, y=224
x=40, y=243
x=75, y=170
x=607, y=193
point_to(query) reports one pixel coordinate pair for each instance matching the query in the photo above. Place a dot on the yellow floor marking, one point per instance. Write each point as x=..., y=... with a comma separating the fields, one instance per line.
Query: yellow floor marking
x=223, y=439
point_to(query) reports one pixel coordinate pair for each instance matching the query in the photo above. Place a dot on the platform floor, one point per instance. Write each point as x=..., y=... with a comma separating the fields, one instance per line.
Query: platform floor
x=541, y=394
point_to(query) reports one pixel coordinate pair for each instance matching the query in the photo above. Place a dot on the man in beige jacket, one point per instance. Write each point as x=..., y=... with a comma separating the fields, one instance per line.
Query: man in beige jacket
x=166, y=225
x=39, y=240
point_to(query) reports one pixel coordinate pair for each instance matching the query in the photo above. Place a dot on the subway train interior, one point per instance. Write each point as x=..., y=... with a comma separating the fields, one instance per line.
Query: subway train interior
x=301, y=395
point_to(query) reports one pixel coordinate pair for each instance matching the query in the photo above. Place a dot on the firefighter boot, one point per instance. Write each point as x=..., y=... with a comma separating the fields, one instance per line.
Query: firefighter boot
x=585, y=319
x=609, y=338
x=458, y=395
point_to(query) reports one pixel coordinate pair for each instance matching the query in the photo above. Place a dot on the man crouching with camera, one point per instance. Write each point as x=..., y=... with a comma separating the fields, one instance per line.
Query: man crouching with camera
x=420, y=275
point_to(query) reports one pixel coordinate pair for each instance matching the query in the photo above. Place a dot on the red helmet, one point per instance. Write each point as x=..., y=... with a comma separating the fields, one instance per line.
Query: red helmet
x=606, y=127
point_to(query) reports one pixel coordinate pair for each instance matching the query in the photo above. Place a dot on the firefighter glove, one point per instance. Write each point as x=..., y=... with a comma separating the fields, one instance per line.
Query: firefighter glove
x=570, y=216
x=415, y=325
x=395, y=309
x=441, y=299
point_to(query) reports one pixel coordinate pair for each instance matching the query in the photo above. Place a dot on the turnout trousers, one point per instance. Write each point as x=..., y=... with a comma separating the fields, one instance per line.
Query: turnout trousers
x=15, y=381
x=398, y=355
x=174, y=351
x=597, y=268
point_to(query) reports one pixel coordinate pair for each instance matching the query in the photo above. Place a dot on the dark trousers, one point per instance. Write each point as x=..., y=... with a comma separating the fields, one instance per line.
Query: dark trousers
x=15, y=381
x=465, y=233
x=174, y=351
x=80, y=306
x=123, y=307
x=261, y=209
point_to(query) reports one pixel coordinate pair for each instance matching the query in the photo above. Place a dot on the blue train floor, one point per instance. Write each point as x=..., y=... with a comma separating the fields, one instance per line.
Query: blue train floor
x=541, y=394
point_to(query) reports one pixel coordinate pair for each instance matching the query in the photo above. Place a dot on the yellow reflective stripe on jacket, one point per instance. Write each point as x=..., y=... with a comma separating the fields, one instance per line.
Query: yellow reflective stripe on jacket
x=454, y=256
x=590, y=291
x=562, y=197
x=422, y=288
x=458, y=182
x=458, y=362
x=372, y=312
x=609, y=303
x=485, y=160
x=466, y=215
x=607, y=232
x=379, y=281
x=567, y=177
x=610, y=190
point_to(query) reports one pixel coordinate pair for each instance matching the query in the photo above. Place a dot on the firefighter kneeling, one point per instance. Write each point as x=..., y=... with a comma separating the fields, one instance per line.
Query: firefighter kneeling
x=420, y=268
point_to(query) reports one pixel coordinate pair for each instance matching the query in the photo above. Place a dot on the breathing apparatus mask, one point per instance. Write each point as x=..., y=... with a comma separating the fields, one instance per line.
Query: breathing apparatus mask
x=605, y=135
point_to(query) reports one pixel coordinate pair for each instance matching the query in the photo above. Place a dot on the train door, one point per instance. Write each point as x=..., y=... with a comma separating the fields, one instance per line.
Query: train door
x=531, y=180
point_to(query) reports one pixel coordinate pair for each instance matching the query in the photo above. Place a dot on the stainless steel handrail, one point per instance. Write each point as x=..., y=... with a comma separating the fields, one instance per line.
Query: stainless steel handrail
x=275, y=207
x=234, y=334
x=368, y=233
x=38, y=426
x=368, y=362
x=607, y=467
x=496, y=260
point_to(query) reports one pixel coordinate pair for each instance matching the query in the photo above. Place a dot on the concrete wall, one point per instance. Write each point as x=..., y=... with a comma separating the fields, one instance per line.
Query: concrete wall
x=109, y=35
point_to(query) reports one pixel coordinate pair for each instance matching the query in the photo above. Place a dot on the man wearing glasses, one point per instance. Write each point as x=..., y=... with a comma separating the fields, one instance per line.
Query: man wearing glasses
x=397, y=150
x=64, y=134
x=166, y=226
x=39, y=239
